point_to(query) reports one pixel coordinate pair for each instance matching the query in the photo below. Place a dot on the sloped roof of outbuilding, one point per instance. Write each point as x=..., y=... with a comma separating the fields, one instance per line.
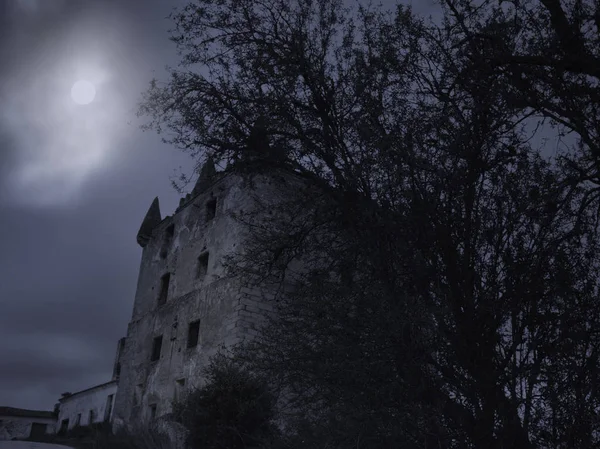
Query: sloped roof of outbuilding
x=24, y=413
x=95, y=387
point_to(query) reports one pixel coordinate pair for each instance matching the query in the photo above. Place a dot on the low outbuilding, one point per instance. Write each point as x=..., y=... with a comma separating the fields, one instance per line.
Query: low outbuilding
x=21, y=424
x=90, y=406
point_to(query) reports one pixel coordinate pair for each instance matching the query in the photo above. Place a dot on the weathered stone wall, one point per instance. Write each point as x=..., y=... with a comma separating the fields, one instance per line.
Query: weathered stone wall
x=176, y=432
x=252, y=307
x=227, y=312
x=193, y=235
x=17, y=427
x=95, y=399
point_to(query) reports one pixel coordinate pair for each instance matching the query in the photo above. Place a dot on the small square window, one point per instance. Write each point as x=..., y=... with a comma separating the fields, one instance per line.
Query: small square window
x=202, y=267
x=211, y=209
x=164, y=288
x=156, y=348
x=179, y=390
x=152, y=408
x=193, y=333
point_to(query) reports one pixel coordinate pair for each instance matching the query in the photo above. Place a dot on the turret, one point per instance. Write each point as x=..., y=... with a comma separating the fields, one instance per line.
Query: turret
x=151, y=220
x=259, y=149
x=206, y=177
x=257, y=144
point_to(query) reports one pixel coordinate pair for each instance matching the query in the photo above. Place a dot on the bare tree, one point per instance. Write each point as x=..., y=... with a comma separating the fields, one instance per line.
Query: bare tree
x=548, y=51
x=440, y=282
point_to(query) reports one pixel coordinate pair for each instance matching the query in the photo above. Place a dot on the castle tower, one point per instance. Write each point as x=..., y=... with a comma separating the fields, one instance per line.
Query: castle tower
x=151, y=220
x=185, y=309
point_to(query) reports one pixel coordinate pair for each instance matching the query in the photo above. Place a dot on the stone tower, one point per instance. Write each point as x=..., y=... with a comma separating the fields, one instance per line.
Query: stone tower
x=185, y=308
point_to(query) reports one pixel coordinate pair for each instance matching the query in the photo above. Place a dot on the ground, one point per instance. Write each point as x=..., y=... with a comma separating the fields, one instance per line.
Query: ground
x=29, y=445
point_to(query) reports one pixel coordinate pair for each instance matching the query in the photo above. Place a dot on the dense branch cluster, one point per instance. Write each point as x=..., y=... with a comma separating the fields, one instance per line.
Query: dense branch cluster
x=436, y=273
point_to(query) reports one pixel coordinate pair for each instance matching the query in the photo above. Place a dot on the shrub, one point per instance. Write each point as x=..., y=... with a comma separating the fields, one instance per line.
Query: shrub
x=234, y=409
x=140, y=438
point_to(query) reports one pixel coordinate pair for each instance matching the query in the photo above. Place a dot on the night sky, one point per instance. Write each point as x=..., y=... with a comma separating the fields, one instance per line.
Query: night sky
x=75, y=183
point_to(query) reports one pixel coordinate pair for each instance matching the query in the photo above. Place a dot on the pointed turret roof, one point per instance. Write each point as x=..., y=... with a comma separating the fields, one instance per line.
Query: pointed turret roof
x=151, y=219
x=205, y=177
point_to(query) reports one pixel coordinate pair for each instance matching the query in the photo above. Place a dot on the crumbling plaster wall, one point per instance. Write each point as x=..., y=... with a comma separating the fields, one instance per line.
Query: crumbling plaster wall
x=227, y=311
x=19, y=427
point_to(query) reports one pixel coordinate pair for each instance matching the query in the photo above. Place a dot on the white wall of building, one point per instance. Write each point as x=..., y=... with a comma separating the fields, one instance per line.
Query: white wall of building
x=76, y=408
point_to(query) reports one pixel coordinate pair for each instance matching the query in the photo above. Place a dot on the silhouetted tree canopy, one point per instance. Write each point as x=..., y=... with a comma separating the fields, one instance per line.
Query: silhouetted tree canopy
x=436, y=277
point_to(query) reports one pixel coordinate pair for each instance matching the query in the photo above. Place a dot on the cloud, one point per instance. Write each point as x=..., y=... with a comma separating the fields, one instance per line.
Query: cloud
x=22, y=9
x=54, y=143
x=74, y=185
x=67, y=285
x=38, y=367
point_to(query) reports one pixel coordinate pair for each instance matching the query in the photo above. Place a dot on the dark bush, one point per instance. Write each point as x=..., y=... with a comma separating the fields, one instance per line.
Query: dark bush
x=141, y=438
x=234, y=409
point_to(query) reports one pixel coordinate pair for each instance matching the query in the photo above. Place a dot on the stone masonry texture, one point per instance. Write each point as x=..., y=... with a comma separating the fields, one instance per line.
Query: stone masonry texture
x=188, y=249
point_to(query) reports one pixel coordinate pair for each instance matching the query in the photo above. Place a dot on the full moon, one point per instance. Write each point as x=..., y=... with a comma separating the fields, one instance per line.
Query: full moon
x=83, y=92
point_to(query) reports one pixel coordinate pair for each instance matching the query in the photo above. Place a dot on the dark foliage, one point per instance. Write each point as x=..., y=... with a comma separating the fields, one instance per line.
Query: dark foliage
x=434, y=278
x=140, y=438
x=234, y=409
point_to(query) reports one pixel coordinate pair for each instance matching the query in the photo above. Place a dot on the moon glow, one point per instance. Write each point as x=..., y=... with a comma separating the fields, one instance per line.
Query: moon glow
x=83, y=92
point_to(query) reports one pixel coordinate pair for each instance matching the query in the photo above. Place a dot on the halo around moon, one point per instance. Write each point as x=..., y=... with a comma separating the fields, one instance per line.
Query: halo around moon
x=83, y=92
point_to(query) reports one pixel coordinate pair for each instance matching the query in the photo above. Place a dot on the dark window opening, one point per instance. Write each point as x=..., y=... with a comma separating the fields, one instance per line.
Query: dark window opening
x=164, y=288
x=156, y=347
x=38, y=430
x=179, y=386
x=118, y=370
x=108, y=409
x=78, y=421
x=64, y=426
x=193, y=333
x=169, y=234
x=91, y=418
x=211, y=209
x=152, y=411
x=202, y=265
